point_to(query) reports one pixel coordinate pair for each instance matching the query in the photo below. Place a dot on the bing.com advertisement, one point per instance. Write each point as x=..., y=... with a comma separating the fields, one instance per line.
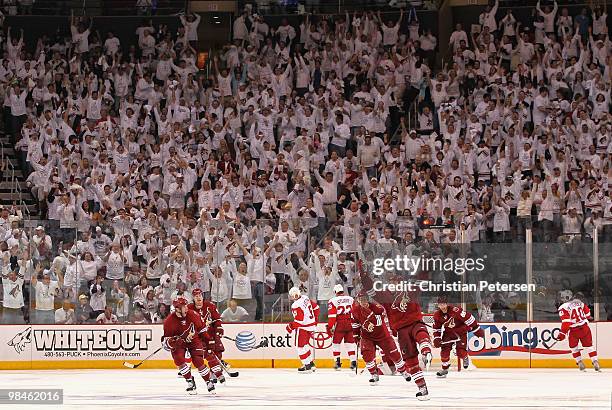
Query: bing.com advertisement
x=503, y=340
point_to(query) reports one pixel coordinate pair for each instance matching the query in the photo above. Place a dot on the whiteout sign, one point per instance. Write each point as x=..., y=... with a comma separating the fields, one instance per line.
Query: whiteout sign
x=46, y=342
x=92, y=339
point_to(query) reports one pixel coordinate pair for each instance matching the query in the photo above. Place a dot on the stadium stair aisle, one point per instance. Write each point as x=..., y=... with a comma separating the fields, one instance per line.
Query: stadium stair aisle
x=9, y=194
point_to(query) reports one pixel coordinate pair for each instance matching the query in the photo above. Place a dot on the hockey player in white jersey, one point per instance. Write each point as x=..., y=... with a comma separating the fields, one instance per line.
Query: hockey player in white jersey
x=575, y=317
x=305, y=317
x=339, y=326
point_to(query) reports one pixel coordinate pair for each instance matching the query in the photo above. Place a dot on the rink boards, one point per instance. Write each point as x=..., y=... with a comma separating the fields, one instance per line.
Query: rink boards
x=108, y=346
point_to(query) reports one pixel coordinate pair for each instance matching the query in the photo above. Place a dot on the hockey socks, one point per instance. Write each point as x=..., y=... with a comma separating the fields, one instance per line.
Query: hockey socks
x=185, y=371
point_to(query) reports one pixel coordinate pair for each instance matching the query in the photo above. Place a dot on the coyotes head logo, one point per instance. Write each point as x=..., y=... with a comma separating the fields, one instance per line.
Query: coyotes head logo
x=19, y=341
x=368, y=325
x=207, y=319
x=401, y=302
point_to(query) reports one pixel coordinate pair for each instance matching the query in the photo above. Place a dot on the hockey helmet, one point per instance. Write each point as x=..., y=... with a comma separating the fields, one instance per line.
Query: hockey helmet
x=566, y=295
x=180, y=301
x=362, y=294
x=294, y=292
x=338, y=289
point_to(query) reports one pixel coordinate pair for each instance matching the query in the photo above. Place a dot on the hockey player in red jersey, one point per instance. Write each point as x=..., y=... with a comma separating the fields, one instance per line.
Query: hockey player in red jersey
x=406, y=321
x=451, y=326
x=305, y=317
x=206, y=313
x=371, y=330
x=182, y=331
x=575, y=317
x=339, y=326
x=212, y=320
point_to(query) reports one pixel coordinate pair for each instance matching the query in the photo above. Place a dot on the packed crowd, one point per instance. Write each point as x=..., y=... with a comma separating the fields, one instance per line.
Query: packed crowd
x=294, y=156
x=110, y=7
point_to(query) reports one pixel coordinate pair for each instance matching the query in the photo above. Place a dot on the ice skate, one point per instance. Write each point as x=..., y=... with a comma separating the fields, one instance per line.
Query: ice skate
x=337, y=364
x=191, y=386
x=581, y=366
x=466, y=362
x=406, y=376
x=374, y=379
x=307, y=368
x=596, y=365
x=423, y=394
x=442, y=373
x=211, y=387
x=221, y=379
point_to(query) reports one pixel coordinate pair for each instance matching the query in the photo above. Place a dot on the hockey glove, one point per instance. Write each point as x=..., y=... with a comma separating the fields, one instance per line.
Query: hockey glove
x=290, y=327
x=220, y=331
x=561, y=336
x=170, y=343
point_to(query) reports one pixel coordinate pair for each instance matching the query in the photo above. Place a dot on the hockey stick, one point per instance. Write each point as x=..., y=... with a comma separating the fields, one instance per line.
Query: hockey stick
x=552, y=345
x=134, y=366
x=263, y=343
x=224, y=367
x=356, y=358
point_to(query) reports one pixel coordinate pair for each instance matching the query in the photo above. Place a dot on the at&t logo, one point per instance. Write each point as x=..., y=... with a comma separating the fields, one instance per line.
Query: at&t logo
x=245, y=341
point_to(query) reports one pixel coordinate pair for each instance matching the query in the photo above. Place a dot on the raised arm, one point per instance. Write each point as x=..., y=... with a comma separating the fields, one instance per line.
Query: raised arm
x=494, y=9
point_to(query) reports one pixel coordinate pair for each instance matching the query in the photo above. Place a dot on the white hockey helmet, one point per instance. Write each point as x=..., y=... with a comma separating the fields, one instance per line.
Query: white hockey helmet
x=566, y=295
x=338, y=289
x=294, y=293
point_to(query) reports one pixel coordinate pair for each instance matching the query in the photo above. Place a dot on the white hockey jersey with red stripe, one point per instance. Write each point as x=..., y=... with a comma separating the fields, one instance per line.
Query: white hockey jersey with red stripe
x=573, y=314
x=305, y=314
x=339, y=312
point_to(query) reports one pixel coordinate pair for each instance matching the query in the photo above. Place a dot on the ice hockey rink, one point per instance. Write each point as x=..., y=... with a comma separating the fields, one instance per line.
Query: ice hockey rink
x=286, y=389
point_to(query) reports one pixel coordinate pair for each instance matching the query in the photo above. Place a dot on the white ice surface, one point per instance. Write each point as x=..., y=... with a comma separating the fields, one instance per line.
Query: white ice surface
x=286, y=389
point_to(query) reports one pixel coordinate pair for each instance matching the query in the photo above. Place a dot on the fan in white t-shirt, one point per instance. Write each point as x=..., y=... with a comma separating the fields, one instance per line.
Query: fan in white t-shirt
x=390, y=30
x=234, y=313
